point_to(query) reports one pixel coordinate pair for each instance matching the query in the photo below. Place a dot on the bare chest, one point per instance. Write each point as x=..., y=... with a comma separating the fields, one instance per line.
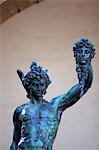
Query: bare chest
x=38, y=121
x=38, y=112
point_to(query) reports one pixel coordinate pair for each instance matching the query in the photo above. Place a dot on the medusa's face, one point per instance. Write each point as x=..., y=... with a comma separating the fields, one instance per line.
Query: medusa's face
x=38, y=88
x=83, y=56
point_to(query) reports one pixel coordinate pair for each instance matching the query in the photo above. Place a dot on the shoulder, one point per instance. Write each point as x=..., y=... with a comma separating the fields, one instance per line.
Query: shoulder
x=19, y=109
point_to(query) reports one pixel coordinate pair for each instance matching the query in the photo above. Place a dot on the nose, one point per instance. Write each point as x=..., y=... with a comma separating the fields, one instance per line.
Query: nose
x=40, y=87
x=83, y=53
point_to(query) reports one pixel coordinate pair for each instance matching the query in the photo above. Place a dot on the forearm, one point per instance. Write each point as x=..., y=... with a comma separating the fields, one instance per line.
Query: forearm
x=74, y=94
x=90, y=78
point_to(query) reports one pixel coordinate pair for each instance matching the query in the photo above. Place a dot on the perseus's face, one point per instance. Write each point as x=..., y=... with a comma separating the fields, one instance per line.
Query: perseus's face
x=38, y=88
x=83, y=56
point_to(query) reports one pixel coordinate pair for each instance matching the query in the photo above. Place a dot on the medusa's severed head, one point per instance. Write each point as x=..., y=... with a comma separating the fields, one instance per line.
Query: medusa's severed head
x=84, y=51
x=35, y=81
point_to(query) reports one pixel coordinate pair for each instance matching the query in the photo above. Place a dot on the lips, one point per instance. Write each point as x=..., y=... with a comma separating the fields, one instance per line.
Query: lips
x=39, y=92
x=83, y=59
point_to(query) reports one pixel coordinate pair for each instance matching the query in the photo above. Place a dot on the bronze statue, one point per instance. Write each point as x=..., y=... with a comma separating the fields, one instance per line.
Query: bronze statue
x=36, y=122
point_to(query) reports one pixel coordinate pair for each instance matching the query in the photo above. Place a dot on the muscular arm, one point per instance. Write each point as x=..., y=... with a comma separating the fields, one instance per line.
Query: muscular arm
x=73, y=95
x=17, y=129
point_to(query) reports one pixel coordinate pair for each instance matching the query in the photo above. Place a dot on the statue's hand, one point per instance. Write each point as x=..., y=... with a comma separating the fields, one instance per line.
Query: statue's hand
x=82, y=71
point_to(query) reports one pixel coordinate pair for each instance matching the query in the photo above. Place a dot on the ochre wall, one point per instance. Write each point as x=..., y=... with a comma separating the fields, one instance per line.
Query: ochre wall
x=46, y=33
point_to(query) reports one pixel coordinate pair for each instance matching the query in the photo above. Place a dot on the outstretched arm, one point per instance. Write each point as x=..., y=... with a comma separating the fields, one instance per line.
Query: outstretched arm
x=84, y=51
x=17, y=129
x=74, y=94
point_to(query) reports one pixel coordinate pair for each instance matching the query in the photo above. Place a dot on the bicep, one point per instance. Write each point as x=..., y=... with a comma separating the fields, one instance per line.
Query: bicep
x=72, y=96
x=17, y=126
x=64, y=101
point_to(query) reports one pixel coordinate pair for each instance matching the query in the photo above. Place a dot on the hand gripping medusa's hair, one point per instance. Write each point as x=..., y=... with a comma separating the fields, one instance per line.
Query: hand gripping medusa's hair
x=84, y=43
x=36, y=72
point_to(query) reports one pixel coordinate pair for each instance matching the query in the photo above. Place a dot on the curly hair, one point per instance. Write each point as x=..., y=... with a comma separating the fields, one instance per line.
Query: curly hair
x=84, y=43
x=36, y=72
x=82, y=72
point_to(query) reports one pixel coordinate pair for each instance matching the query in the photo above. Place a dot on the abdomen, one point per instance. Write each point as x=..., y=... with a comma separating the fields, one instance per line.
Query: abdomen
x=38, y=133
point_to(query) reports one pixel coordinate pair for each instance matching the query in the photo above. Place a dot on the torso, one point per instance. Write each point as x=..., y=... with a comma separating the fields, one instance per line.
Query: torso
x=39, y=126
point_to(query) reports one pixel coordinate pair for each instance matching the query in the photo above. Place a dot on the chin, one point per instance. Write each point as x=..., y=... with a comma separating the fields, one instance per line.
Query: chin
x=83, y=62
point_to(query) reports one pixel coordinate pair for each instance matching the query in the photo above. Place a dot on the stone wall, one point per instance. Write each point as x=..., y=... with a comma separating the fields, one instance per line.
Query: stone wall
x=9, y=8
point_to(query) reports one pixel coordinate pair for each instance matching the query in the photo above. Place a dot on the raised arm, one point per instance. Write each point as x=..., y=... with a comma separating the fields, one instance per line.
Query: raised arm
x=64, y=101
x=83, y=52
x=17, y=129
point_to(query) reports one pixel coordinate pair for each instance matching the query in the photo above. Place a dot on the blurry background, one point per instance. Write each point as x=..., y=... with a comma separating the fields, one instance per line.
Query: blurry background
x=46, y=33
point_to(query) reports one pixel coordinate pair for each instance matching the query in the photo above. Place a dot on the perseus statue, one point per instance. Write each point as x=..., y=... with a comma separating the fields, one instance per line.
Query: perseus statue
x=36, y=122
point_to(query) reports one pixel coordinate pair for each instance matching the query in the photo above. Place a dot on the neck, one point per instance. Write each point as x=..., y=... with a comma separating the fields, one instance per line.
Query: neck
x=36, y=100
